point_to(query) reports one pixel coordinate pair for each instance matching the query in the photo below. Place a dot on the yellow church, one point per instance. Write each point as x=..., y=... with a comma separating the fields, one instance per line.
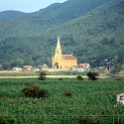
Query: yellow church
x=62, y=61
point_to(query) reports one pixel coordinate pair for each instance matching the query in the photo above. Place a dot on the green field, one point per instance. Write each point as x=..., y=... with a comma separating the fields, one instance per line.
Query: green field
x=90, y=100
x=14, y=73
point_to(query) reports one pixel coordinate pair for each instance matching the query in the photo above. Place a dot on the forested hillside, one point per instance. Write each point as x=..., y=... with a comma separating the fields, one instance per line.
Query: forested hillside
x=43, y=19
x=11, y=14
x=95, y=37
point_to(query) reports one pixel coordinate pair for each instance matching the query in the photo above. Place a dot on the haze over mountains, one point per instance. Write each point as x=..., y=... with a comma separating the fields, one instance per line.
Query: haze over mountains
x=11, y=14
x=91, y=30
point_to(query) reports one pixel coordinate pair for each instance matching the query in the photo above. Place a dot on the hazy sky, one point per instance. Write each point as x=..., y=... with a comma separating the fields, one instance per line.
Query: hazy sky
x=26, y=5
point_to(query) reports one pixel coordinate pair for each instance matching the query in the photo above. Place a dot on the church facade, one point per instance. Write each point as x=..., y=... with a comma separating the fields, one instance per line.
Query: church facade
x=63, y=61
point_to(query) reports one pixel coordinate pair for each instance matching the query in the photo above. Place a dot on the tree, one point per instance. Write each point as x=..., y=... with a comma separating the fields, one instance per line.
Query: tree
x=79, y=77
x=42, y=75
x=92, y=75
x=116, y=69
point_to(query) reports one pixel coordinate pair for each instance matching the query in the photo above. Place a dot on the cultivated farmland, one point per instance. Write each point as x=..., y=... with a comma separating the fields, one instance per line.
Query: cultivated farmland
x=69, y=101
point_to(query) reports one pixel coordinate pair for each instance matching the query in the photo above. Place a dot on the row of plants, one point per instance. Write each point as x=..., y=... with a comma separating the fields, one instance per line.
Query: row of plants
x=69, y=101
x=91, y=75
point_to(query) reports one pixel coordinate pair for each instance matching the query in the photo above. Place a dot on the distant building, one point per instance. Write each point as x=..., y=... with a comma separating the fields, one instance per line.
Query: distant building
x=27, y=68
x=36, y=69
x=44, y=67
x=120, y=98
x=82, y=67
x=16, y=69
x=85, y=66
x=63, y=61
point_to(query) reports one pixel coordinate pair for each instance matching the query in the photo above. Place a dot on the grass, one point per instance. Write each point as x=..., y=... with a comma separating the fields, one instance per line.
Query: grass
x=90, y=99
x=14, y=73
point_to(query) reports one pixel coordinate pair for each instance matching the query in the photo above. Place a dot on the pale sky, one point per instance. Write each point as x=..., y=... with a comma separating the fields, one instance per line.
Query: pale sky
x=26, y=5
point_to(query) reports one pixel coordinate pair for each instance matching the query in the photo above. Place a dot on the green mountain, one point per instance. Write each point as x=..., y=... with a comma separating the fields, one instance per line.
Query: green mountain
x=52, y=16
x=95, y=36
x=11, y=14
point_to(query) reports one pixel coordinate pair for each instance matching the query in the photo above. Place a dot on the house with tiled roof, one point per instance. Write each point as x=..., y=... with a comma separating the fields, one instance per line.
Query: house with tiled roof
x=63, y=61
x=84, y=65
x=27, y=68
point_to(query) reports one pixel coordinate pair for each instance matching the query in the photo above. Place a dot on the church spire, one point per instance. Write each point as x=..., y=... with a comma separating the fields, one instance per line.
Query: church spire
x=58, y=51
x=58, y=43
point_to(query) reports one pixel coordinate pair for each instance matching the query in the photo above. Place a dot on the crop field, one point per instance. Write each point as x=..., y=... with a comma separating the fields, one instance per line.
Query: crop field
x=87, y=99
x=18, y=73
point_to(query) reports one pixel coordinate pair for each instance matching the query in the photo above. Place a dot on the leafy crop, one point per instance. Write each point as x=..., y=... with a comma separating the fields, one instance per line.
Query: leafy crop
x=5, y=119
x=89, y=100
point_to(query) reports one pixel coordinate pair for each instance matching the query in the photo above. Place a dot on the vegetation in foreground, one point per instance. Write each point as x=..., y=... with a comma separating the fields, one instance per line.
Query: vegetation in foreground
x=34, y=91
x=4, y=119
x=70, y=101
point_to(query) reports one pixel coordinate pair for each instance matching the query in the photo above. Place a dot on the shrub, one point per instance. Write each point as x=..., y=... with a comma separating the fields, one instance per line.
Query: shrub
x=68, y=93
x=86, y=121
x=42, y=75
x=43, y=93
x=92, y=75
x=30, y=85
x=34, y=91
x=60, y=79
x=5, y=120
x=79, y=77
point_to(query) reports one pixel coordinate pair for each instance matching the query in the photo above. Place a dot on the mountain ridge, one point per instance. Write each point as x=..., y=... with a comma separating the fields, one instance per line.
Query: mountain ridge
x=41, y=20
x=10, y=14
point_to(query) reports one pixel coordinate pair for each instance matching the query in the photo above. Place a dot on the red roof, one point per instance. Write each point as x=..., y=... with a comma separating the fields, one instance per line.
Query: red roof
x=68, y=56
x=84, y=64
x=27, y=66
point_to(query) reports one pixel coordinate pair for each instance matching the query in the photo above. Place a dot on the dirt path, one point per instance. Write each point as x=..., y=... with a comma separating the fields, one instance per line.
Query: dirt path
x=48, y=76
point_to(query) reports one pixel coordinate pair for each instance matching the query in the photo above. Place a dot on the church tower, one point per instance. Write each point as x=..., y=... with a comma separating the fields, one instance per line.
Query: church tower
x=56, y=60
x=58, y=51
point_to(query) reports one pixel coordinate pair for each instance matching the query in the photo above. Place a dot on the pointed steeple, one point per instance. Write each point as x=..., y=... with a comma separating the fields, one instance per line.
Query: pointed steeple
x=58, y=43
x=58, y=51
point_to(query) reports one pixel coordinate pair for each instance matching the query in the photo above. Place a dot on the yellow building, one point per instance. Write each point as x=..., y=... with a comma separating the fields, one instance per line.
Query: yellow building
x=63, y=61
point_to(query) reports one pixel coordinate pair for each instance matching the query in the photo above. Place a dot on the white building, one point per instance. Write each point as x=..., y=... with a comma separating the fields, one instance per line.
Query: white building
x=16, y=69
x=120, y=98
